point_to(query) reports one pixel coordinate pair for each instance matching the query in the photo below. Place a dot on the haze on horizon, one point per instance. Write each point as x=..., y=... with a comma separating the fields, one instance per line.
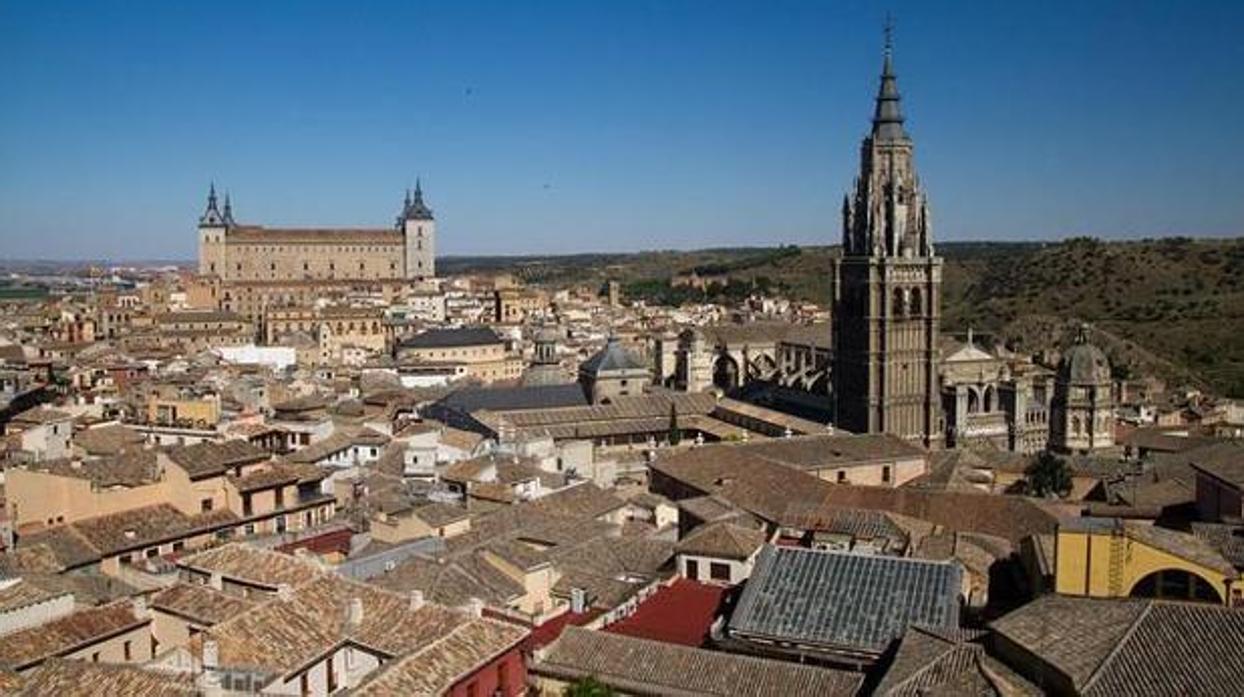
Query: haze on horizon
x=567, y=127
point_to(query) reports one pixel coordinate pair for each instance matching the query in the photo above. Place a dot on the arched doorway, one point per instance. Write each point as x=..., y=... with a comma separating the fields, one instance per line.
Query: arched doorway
x=1176, y=584
x=726, y=373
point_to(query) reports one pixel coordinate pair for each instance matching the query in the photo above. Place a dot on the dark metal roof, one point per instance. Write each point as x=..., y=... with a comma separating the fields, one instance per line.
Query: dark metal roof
x=445, y=338
x=851, y=602
x=888, y=116
x=513, y=398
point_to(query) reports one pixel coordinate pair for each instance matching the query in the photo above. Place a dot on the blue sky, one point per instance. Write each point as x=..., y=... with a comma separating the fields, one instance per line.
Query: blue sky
x=600, y=126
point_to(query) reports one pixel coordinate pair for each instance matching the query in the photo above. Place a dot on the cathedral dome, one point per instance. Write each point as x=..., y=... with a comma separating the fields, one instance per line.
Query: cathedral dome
x=1084, y=363
x=547, y=335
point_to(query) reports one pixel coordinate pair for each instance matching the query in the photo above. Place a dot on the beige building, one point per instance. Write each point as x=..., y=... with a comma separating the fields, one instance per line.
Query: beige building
x=478, y=350
x=237, y=252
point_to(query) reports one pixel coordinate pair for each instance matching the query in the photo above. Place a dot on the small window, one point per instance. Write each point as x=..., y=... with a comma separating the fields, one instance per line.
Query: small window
x=152, y=553
x=128, y=650
x=95, y=657
x=719, y=571
x=885, y=474
x=842, y=477
x=205, y=505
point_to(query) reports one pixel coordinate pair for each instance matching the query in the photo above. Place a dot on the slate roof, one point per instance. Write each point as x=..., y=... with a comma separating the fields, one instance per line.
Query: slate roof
x=453, y=337
x=516, y=398
x=643, y=666
x=851, y=602
x=1133, y=646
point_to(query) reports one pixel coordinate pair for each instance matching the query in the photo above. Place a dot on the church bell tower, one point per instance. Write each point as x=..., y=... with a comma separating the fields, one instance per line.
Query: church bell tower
x=887, y=287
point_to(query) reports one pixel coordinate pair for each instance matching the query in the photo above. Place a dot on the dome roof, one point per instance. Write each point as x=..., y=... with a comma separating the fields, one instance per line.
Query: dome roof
x=1084, y=362
x=547, y=335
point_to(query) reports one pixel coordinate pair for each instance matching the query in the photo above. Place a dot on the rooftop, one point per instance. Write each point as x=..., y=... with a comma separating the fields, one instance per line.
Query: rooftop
x=851, y=602
x=253, y=565
x=653, y=667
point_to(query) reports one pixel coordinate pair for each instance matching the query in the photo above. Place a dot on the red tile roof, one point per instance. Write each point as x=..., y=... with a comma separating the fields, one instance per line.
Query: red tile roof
x=680, y=613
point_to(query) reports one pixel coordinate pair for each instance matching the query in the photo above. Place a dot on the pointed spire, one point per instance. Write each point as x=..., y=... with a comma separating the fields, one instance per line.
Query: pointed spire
x=228, y=214
x=211, y=215
x=415, y=208
x=888, y=116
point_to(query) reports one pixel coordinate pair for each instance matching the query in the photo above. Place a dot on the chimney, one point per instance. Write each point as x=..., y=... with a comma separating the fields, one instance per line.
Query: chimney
x=416, y=599
x=354, y=614
x=216, y=581
x=475, y=606
x=140, y=606
x=284, y=592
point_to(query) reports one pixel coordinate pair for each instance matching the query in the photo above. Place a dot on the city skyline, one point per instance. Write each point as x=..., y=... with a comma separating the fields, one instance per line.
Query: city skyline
x=736, y=133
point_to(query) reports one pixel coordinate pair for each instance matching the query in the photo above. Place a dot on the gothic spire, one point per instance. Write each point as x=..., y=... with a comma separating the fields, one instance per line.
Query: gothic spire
x=228, y=214
x=888, y=116
x=416, y=209
x=211, y=215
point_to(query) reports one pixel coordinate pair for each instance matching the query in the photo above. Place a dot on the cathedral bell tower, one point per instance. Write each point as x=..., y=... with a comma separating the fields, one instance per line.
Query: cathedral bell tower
x=887, y=287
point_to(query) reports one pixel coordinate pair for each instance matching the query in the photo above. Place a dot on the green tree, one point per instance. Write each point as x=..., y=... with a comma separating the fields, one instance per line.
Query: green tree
x=675, y=435
x=588, y=687
x=1048, y=474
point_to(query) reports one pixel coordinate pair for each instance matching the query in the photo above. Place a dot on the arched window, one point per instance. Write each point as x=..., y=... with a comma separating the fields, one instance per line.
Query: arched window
x=1075, y=425
x=916, y=307
x=989, y=398
x=973, y=401
x=899, y=306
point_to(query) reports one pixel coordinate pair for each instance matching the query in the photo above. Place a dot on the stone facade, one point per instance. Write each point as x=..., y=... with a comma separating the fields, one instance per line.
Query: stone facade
x=235, y=252
x=887, y=289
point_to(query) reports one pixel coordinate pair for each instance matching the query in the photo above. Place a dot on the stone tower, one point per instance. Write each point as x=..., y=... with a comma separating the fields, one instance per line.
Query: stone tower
x=212, y=228
x=1082, y=416
x=419, y=228
x=887, y=288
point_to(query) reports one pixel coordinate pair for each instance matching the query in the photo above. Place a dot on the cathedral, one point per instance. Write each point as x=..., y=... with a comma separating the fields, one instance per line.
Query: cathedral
x=891, y=372
x=235, y=252
x=886, y=288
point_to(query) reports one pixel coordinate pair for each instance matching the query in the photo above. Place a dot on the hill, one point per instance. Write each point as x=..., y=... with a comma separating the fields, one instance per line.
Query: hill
x=1173, y=306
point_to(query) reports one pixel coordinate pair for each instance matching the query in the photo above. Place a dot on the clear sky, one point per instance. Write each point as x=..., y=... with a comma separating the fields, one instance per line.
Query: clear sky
x=546, y=126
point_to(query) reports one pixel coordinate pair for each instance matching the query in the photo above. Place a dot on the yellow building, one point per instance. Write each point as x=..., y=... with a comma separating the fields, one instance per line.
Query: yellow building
x=1112, y=558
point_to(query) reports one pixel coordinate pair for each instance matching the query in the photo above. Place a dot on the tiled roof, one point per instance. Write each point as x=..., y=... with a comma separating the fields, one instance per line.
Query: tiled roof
x=108, y=440
x=1223, y=460
x=141, y=527
x=723, y=540
x=129, y=469
x=585, y=500
x=835, y=600
x=932, y=662
x=436, y=668
x=199, y=603
x=72, y=678
x=1137, y=647
x=208, y=458
x=65, y=634
x=253, y=565
x=22, y=594
x=516, y=398
x=651, y=667
x=283, y=635
x=265, y=235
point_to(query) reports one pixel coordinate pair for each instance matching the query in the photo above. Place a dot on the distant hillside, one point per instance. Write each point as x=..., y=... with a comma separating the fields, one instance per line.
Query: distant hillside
x=1174, y=306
